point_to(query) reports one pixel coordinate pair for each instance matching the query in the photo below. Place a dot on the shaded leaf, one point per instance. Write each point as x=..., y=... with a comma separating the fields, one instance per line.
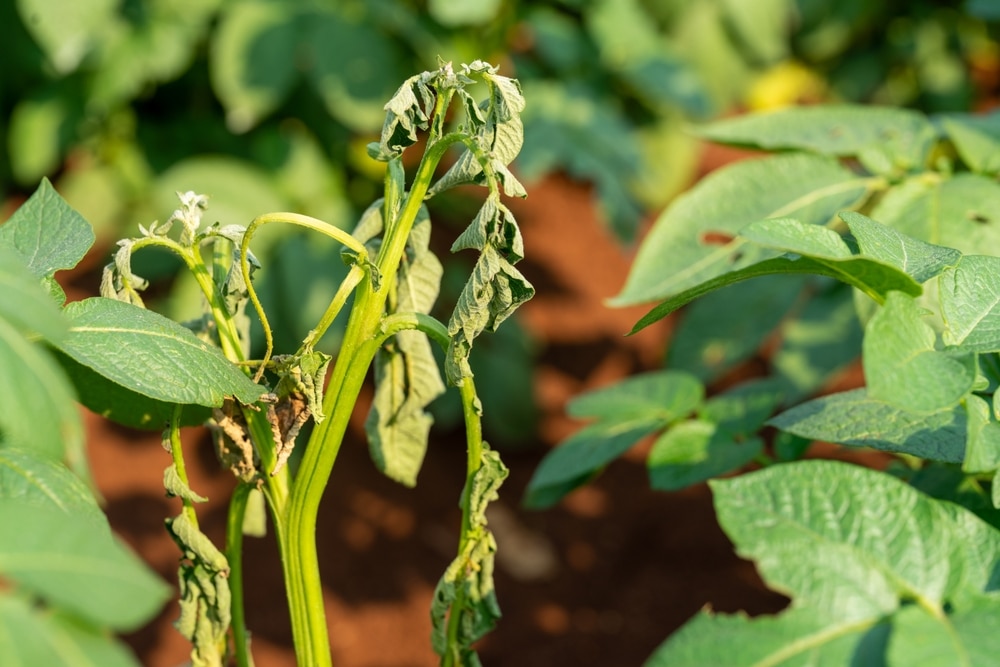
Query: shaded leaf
x=695, y=450
x=72, y=565
x=26, y=477
x=660, y=395
x=854, y=418
x=976, y=139
x=24, y=303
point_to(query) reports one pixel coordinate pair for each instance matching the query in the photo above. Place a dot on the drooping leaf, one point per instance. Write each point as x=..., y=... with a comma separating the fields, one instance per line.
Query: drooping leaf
x=177, y=488
x=956, y=212
x=47, y=234
x=695, y=240
x=855, y=418
x=920, y=260
x=853, y=548
x=902, y=137
x=970, y=301
x=73, y=565
x=466, y=589
x=151, y=355
x=902, y=366
x=407, y=378
x=33, y=636
x=494, y=291
x=26, y=477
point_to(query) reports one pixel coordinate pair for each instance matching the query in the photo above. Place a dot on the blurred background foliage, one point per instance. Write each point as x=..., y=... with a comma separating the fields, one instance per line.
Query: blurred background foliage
x=268, y=105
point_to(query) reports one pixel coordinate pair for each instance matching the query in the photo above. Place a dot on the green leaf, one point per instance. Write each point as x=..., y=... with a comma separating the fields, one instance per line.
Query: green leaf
x=151, y=355
x=810, y=249
x=695, y=241
x=761, y=26
x=73, y=565
x=67, y=30
x=976, y=139
x=352, y=64
x=579, y=457
x=40, y=408
x=902, y=136
x=26, y=477
x=24, y=304
x=725, y=327
x=957, y=212
x=47, y=233
x=853, y=547
x=38, y=134
x=962, y=638
x=982, y=448
x=902, y=366
x=660, y=395
x=920, y=260
x=32, y=636
x=817, y=341
x=970, y=301
x=453, y=13
x=253, y=61
x=693, y=451
x=466, y=589
x=854, y=418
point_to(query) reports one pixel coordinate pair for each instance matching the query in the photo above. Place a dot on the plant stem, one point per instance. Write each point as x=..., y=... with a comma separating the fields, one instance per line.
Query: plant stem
x=177, y=452
x=234, y=554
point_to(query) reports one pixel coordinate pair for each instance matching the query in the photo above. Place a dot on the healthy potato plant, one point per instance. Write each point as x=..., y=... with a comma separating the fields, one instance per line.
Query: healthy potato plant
x=139, y=368
x=868, y=231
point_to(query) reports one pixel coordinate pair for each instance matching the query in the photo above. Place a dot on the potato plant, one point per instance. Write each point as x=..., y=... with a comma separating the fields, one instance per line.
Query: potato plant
x=141, y=369
x=871, y=232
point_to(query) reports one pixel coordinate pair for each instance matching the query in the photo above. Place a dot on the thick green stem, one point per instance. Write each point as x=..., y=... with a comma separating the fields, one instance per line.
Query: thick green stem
x=305, y=592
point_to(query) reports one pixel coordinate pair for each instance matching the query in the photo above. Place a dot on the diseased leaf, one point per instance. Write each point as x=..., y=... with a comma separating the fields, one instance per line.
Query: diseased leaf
x=903, y=137
x=695, y=240
x=855, y=418
x=466, y=588
x=176, y=487
x=494, y=290
x=970, y=301
x=902, y=366
x=920, y=260
x=151, y=355
x=73, y=565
